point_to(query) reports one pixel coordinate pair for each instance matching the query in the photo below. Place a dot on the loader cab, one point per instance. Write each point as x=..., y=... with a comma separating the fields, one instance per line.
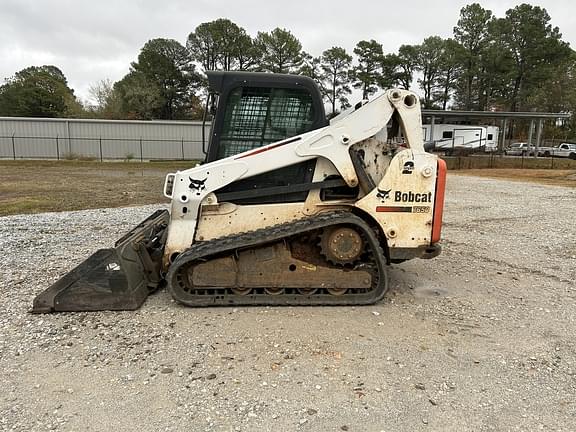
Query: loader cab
x=253, y=109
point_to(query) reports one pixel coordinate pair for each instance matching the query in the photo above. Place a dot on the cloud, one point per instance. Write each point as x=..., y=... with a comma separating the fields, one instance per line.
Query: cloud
x=90, y=41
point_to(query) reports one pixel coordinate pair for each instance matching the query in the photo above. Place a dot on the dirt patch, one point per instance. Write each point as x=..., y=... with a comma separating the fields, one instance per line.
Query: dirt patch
x=41, y=186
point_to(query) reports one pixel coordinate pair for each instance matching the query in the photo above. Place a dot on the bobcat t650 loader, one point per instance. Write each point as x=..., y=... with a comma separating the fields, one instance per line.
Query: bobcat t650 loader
x=288, y=208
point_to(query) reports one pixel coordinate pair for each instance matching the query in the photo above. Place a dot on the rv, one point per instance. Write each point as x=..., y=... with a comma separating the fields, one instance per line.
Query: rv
x=452, y=138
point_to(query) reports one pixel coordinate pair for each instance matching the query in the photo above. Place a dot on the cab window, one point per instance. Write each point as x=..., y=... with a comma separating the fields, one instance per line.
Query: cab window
x=256, y=116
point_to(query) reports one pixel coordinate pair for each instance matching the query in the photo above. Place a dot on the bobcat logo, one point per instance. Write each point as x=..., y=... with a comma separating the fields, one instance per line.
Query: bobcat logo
x=383, y=194
x=197, y=185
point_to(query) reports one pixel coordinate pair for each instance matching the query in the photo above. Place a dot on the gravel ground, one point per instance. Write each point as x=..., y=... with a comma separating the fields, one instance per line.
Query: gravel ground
x=478, y=339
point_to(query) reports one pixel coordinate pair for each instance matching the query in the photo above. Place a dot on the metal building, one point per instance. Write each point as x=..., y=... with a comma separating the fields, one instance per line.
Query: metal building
x=40, y=138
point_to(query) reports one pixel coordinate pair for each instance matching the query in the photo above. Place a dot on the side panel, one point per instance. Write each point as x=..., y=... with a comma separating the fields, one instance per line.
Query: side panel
x=403, y=202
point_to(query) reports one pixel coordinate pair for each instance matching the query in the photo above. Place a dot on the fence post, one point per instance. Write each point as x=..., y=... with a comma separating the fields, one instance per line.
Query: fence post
x=530, y=133
x=182, y=148
x=69, y=140
x=538, y=137
x=13, y=146
x=502, y=143
x=141, y=155
x=57, y=148
x=100, y=145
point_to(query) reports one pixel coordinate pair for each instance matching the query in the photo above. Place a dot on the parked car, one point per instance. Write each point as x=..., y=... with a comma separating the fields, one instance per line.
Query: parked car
x=519, y=149
x=566, y=150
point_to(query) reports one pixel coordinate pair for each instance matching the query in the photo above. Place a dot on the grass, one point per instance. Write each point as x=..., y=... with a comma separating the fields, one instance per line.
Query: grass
x=28, y=186
x=41, y=186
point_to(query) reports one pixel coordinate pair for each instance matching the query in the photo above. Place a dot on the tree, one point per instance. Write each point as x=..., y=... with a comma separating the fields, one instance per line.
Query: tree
x=38, y=91
x=203, y=45
x=227, y=34
x=405, y=63
x=429, y=56
x=140, y=99
x=278, y=51
x=389, y=72
x=100, y=92
x=535, y=47
x=472, y=33
x=494, y=65
x=335, y=63
x=367, y=73
x=221, y=45
x=161, y=83
x=448, y=68
x=108, y=103
x=245, y=52
x=311, y=67
x=558, y=94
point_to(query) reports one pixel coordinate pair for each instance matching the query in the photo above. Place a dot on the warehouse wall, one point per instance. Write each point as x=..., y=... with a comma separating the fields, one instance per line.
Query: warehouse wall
x=31, y=138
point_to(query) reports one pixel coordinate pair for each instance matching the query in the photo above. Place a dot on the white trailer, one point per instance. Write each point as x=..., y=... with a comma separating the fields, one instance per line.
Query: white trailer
x=456, y=138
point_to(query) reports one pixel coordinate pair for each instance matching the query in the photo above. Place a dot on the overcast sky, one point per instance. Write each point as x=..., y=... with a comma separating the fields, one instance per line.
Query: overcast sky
x=91, y=40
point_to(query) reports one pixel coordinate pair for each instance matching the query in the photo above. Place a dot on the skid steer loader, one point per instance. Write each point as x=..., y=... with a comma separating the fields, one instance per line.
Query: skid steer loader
x=288, y=208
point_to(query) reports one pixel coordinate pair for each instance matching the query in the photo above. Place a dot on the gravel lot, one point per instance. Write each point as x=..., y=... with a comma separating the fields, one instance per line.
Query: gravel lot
x=481, y=338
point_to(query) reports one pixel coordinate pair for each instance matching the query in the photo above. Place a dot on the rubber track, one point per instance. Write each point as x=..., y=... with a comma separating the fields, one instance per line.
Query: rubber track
x=203, y=251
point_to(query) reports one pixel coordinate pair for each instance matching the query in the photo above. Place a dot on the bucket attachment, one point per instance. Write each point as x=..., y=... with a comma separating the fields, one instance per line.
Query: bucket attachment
x=119, y=278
